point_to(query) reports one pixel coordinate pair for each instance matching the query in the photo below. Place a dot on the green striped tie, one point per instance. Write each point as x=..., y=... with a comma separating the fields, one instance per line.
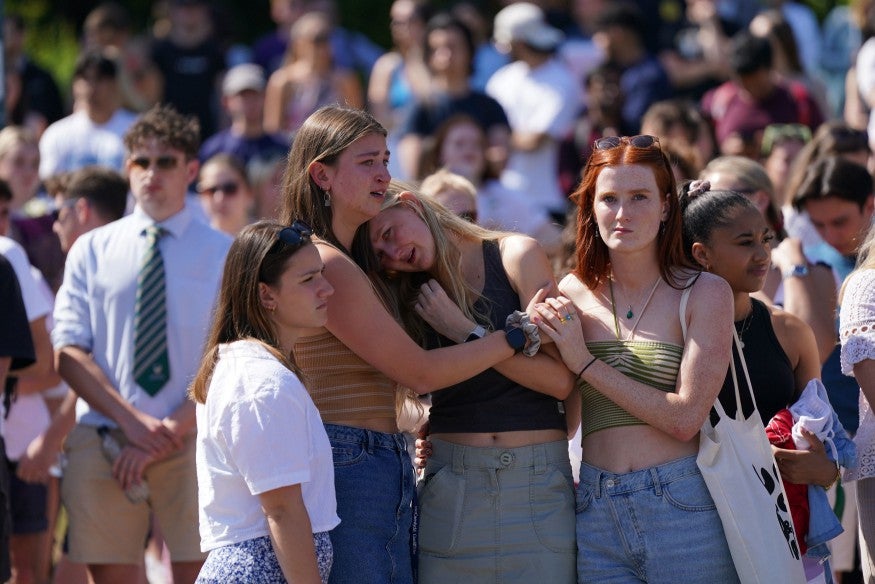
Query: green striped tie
x=151, y=363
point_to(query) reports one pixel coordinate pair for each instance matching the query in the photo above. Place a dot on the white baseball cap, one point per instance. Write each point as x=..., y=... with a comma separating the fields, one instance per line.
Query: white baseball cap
x=242, y=77
x=525, y=22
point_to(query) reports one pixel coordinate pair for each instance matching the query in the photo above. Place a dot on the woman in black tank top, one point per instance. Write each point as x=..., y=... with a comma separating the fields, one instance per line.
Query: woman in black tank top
x=726, y=235
x=502, y=432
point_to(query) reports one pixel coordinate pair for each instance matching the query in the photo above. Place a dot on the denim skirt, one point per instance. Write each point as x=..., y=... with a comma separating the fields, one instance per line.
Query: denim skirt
x=374, y=483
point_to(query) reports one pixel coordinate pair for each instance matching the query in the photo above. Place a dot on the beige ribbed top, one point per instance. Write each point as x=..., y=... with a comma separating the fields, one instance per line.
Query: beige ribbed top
x=343, y=386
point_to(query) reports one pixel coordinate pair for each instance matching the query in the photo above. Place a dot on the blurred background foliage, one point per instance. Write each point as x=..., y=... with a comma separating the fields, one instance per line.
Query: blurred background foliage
x=53, y=26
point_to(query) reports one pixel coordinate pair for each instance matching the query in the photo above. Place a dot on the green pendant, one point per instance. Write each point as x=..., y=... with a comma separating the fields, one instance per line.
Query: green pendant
x=630, y=314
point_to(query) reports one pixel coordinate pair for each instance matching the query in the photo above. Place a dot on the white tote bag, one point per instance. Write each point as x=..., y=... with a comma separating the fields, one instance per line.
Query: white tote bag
x=736, y=461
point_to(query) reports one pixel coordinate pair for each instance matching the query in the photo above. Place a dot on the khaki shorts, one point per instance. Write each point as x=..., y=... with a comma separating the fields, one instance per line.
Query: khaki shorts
x=106, y=528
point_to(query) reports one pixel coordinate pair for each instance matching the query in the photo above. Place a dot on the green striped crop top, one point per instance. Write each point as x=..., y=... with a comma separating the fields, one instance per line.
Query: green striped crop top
x=650, y=362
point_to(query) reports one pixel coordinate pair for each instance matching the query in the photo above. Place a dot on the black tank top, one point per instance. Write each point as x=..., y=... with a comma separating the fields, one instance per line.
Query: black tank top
x=771, y=373
x=490, y=402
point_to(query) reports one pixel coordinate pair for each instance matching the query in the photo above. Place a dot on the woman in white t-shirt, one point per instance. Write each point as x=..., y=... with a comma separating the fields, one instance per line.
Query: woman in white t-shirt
x=264, y=465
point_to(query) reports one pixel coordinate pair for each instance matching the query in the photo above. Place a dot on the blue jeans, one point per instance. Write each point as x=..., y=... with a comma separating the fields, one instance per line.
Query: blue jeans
x=655, y=525
x=374, y=483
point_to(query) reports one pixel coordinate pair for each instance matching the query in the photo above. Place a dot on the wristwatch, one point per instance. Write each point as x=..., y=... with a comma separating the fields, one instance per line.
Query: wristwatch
x=516, y=338
x=795, y=271
x=478, y=332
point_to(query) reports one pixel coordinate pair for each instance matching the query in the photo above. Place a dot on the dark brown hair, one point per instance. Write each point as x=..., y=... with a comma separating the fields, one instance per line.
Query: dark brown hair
x=257, y=255
x=169, y=127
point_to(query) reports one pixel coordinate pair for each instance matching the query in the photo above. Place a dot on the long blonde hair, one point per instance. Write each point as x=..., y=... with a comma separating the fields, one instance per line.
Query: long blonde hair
x=402, y=288
x=256, y=256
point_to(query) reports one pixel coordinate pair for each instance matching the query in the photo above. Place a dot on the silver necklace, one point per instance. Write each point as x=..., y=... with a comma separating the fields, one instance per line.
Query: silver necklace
x=745, y=325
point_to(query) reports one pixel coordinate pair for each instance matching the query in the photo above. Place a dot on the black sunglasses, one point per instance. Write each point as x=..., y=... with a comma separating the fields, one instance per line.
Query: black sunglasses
x=296, y=235
x=165, y=162
x=229, y=188
x=641, y=141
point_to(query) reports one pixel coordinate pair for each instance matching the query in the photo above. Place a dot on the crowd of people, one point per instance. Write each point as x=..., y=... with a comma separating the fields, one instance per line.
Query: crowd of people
x=237, y=282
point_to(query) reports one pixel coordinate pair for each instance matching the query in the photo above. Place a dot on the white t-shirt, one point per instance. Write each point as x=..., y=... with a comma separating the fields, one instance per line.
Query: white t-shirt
x=75, y=141
x=544, y=100
x=258, y=431
x=36, y=305
x=29, y=415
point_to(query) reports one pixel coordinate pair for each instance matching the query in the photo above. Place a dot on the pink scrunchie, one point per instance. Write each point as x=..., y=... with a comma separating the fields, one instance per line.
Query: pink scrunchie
x=698, y=187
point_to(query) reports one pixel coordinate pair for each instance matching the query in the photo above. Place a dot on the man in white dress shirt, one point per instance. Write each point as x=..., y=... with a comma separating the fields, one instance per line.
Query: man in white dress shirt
x=97, y=317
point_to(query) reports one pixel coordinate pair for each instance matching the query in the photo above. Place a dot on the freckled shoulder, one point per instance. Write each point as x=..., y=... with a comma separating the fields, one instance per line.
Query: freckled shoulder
x=571, y=284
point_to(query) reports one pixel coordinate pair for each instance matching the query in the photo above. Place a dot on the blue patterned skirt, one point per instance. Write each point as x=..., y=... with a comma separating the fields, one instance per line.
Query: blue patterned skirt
x=254, y=562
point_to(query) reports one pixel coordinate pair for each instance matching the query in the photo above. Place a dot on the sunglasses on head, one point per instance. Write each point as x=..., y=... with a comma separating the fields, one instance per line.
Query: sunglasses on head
x=296, y=235
x=229, y=188
x=165, y=162
x=641, y=141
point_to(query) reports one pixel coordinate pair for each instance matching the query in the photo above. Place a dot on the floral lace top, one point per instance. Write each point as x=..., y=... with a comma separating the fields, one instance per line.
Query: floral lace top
x=857, y=333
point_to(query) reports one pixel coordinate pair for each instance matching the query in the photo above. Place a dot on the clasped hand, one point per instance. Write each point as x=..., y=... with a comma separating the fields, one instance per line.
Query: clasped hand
x=559, y=320
x=436, y=308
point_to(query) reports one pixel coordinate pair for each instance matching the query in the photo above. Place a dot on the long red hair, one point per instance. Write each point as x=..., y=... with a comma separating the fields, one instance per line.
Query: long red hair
x=593, y=261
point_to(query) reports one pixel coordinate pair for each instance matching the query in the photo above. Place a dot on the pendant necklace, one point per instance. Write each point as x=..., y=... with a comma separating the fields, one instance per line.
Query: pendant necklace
x=630, y=314
x=745, y=324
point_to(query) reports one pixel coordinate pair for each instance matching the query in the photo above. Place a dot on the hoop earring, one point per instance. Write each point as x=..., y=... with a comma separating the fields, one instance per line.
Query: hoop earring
x=327, y=194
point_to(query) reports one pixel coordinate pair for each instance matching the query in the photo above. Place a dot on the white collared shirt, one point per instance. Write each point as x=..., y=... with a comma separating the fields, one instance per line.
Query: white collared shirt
x=95, y=306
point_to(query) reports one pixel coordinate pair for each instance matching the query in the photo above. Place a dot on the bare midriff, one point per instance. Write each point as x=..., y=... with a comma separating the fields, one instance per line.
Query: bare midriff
x=512, y=439
x=629, y=448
